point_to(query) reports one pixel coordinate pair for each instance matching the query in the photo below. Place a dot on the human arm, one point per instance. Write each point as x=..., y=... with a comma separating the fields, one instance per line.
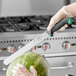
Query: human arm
x=64, y=12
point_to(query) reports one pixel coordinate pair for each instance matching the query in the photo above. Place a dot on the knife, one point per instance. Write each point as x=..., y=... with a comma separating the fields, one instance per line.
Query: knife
x=37, y=40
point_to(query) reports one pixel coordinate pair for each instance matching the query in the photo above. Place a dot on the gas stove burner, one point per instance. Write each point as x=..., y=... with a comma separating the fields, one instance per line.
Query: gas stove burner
x=5, y=26
x=27, y=27
x=27, y=23
x=24, y=23
x=34, y=27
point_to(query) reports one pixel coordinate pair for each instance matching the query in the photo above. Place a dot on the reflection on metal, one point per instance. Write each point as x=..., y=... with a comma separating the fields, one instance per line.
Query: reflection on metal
x=69, y=66
x=59, y=55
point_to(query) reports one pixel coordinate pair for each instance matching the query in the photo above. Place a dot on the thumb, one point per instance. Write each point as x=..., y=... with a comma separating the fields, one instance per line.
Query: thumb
x=51, y=24
x=33, y=71
x=56, y=18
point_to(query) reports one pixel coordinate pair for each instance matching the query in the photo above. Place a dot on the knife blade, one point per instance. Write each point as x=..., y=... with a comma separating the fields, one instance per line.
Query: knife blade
x=36, y=41
x=26, y=48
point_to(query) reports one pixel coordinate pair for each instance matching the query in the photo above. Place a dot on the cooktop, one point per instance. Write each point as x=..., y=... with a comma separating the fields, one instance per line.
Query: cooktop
x=24, y=23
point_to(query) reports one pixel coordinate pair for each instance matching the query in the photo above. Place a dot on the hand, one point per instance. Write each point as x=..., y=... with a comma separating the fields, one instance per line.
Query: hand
x=20, y=70
x=57, y=17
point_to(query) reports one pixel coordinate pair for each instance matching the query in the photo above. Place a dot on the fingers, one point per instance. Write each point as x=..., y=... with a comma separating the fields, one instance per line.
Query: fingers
x=33, y=71
x=56, y=18
x=63, y=28
x=16, y=71
x=51, y=24
x=20, y=70
x=23, y=69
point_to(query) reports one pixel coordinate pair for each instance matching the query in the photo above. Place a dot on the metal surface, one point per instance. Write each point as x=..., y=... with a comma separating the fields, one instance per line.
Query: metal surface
x=61, y=47
x=59, y=54
x=69, y=66
x=56, y=63
x=28, y=7
x=27, y=47
x=37, y=40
